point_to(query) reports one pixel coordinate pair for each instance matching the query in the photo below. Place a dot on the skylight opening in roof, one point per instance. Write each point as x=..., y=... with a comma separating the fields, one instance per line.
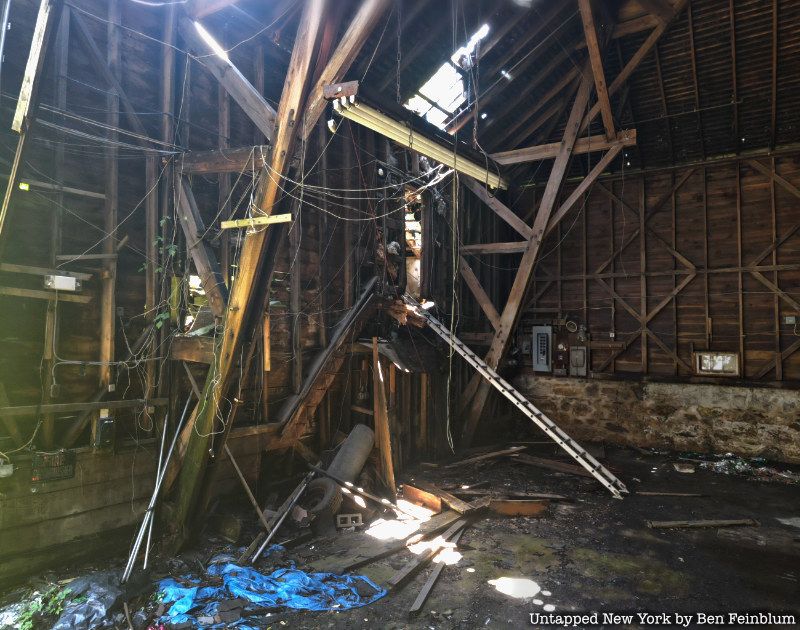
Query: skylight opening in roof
x=444, y=92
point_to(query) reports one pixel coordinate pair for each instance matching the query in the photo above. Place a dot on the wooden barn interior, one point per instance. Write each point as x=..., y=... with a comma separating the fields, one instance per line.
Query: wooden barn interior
x=487, y=310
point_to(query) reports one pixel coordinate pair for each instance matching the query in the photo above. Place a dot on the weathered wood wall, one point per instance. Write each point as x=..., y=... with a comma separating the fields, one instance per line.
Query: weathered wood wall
x=700, y=258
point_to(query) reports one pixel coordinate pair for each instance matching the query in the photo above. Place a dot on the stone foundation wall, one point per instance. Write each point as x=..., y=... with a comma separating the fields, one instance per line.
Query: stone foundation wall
x=704, y=418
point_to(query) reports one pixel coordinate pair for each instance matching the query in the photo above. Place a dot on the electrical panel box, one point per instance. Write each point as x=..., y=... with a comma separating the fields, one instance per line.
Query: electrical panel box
x=542, y=341
x=578, y=361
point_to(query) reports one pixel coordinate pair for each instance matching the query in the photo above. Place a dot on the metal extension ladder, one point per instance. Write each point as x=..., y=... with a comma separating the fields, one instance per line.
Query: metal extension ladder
x=576, y=451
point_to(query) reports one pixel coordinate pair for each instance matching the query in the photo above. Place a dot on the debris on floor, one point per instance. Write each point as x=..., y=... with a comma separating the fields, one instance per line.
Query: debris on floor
x=246, y=592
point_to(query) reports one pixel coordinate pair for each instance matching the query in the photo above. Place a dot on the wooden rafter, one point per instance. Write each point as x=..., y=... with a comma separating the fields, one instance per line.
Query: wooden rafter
x=493, y=74
x=205, y=260
x=28, y=101
x=498, y=207
x=596, y=59
x=512, y=105
x=238, y=87
x=350, y=45
x=243, y=293
x=659, y=8
x=625, y=138
x=637, y=59
x=516, y=298
x=225, y=160
x=484, y=301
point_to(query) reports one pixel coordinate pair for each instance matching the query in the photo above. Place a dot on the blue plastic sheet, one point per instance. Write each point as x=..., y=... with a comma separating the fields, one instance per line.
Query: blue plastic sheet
x=289, y=588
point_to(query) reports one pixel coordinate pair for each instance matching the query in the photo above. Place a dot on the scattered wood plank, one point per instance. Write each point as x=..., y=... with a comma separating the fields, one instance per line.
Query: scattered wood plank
x=432, y=578
x=381, y=416
x=742, y=522
x=432, y=528
x=479, y=458
x=452, y=501
x=551, y=464
x=516, y=507
x=503, y=494
x=670, y=494
x=421, y=497
x=400, y=578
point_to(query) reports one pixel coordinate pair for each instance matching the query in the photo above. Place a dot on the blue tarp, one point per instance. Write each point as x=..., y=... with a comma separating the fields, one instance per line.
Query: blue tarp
x=290, y=588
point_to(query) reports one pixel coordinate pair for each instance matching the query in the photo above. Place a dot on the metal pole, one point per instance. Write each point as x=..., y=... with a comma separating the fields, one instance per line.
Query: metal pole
x=158, y=474
x=148, y=513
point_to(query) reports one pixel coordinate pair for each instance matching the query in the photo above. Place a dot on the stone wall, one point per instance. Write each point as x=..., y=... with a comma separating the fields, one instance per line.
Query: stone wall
x=705, y=418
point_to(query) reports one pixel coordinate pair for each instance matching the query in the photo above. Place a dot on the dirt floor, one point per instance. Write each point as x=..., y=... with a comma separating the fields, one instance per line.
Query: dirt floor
x=595, y=553
x=590, y=553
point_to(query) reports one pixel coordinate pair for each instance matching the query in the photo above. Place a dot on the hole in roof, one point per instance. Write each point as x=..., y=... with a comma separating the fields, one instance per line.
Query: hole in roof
x=440, y=95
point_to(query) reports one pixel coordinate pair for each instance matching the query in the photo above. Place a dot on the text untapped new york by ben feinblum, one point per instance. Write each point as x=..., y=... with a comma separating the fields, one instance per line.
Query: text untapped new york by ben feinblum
x=614, y=619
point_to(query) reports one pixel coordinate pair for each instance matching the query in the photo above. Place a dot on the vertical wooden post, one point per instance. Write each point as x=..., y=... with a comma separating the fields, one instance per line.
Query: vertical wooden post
x=167, y=226
x=51, y=317
x=776, y=303
x=742, y=361
x=107, y=301
x=380, y=416
x=706, y=304
x=422, y=433
x=643, y=272
x=674, y=209
x=324, y=238
x=295, y=296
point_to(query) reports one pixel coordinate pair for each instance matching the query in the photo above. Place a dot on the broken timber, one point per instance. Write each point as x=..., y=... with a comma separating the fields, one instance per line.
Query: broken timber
x=578, y=453
x=308, y=398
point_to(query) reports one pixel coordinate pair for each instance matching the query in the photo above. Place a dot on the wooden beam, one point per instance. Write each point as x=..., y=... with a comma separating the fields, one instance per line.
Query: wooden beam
x=498, y=207
x=32, y=410
x=256, y=221
x=45, y=295
x=193, y=349
x=582, y=188
x=108, y=310
x=497, y=83
x=519, y=288
x=237, y=160
x=659, y=8
x=28, y=102
x=361, y=27
x=238, y=87
x=205, y=260
x=625, y=138
x=383, y=436
x=480, y=294
x=99, y=63
x=253, y=259
x=634, y=61
x=42, y=271
x=513, y=247
x=516, y=121
x=596, y=60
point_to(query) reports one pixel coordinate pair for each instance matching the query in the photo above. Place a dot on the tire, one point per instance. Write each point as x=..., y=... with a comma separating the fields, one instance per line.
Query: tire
x=322, y=496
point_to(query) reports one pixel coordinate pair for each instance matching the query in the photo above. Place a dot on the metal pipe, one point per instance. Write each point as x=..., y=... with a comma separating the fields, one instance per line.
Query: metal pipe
x=158, y=474
x=288, y=509
x=148, y=513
